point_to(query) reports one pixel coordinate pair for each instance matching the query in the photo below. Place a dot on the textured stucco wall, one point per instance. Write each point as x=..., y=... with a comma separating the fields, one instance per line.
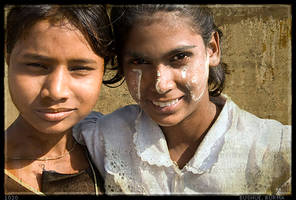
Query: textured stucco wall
x=257, y=48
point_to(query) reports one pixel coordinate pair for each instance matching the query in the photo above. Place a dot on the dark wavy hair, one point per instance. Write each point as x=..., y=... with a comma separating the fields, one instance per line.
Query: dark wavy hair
x=123, y=18
x=91, y=20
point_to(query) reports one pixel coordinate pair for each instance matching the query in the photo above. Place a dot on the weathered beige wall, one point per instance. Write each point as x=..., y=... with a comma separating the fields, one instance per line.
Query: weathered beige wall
x=257, y=48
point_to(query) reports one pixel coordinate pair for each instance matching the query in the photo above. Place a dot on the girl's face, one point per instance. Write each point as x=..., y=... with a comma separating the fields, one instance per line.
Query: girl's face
x=166, y=66
x=54, y=77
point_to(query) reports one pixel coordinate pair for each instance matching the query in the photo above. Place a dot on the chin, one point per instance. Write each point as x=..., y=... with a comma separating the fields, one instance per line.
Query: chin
x=166, y=123
x=54, y=129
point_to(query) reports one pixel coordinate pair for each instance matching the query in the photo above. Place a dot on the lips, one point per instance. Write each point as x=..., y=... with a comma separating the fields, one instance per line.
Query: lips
x=54, y=115
x=165, y=103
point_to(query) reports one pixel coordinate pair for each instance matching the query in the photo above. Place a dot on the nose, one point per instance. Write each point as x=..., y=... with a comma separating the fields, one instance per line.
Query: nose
x=56, y=85
x=164, y=79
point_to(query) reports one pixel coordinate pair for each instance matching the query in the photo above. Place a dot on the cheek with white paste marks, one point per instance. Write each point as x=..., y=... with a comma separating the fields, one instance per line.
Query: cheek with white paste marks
x=196, y=80
x=134, y=79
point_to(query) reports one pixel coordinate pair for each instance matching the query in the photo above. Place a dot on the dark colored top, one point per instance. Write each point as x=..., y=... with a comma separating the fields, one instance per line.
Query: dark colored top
x=84, y=182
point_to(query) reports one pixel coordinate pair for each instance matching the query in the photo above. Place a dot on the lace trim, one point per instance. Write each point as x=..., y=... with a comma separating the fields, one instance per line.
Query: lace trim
x=149, y=141
x=120, y=177
x=207, y=154
x=155, y=144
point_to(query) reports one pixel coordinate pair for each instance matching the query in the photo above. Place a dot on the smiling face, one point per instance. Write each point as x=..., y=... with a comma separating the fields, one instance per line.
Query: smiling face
x=166, y=66
x=54, y=77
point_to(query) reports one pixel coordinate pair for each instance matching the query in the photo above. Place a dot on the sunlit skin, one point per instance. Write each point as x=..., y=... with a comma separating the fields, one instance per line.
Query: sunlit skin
x=174, y=64
x=54, y=81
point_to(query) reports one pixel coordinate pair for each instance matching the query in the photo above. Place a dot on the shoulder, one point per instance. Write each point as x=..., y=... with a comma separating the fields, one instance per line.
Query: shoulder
x=122, y=115
x=87, y=126
x=96, y=122
x=268, y=148
x=120, y=122
x=247, y=121
x=266, y=134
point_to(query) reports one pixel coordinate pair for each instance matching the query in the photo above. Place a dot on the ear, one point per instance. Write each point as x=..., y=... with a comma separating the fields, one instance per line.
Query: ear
x=213, y=50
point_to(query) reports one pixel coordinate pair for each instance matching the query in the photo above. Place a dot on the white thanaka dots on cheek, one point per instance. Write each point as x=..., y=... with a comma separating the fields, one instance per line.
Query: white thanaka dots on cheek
x=189, y=87
x=139, y=83
x=184, y=71
x=194, y=80
x=158, y=74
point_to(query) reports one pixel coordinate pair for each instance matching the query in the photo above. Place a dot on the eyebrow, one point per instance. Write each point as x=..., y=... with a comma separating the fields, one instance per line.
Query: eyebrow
x=83, y=61
x=171, y=52
x=49, y=59
x=37, y=57
x=179, y=49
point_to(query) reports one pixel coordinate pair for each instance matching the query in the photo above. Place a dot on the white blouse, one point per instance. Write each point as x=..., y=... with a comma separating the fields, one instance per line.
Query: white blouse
x=241, y=154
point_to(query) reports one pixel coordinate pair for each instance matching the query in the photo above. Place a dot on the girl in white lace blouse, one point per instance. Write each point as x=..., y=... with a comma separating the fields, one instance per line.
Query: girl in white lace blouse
x=184, y=136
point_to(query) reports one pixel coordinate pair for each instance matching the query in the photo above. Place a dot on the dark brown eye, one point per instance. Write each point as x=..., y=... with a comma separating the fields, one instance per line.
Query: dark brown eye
x=180, y=59
x=138, y=61
x=179, y=56
x=80, y=68
x=37, y=65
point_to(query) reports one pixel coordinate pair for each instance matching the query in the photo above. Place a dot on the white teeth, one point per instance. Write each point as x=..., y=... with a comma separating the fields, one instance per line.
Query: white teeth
x=164, y=104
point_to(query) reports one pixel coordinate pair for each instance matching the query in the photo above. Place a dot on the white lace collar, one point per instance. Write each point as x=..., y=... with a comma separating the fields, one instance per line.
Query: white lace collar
x=150, y=142
x=208, y=151
x=151, y=146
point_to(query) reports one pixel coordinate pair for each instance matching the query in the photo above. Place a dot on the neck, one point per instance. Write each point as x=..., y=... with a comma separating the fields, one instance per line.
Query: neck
x=192, y=129
x=23, y=140
x=184, y=138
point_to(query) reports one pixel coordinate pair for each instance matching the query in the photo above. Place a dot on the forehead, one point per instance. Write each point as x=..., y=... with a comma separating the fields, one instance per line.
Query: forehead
x=48, y=29
x=161, y=33
x=44, y=25
x=173, y=19
x=45, y=37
